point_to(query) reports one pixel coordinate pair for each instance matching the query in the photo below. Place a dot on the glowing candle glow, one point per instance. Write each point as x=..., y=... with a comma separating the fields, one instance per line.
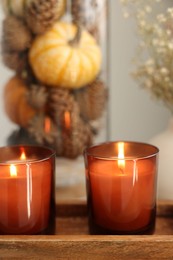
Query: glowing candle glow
x=121, y=161
x=47, y=125
x=13, y=171
x=23, y=156
x=67, y=120
x=26, y=188
x=121, y=187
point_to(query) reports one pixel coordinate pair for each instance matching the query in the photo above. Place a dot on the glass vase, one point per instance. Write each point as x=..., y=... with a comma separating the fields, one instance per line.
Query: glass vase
x=54, y=56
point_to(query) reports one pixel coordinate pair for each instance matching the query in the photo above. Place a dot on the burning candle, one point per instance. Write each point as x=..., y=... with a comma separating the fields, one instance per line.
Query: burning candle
x=27, y=190
x=67, y=123
x=121, y=187
x=47, y=125
x=67, y=120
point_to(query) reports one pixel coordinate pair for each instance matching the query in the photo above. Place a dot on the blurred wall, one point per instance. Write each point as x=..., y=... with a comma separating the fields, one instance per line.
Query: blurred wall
x=133, y=114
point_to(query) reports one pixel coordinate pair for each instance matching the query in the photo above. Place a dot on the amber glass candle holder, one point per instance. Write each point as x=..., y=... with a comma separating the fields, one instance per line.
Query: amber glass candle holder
x=121, y=180
x=27, y=201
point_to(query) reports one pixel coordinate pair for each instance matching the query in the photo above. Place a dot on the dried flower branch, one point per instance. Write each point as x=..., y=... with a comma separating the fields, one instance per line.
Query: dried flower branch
x=154, y=62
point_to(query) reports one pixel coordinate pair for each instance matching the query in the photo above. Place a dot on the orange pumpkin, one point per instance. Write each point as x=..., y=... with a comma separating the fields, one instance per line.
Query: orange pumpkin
x=59, y=63
x=15, y=102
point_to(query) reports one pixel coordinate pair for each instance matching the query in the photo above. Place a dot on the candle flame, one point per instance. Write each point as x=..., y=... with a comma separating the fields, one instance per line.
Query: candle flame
x=47, y=125
x=67, y=119
x=121, y=161
x=23, y=156
x=13, y=170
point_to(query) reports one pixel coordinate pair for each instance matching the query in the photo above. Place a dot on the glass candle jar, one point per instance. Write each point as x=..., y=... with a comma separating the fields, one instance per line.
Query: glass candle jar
x=121, y=187
x=27, y=186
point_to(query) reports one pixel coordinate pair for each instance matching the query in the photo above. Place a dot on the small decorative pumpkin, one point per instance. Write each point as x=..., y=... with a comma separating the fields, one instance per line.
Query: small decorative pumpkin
x=15, y=7
x=59, y=60
x=15, y=102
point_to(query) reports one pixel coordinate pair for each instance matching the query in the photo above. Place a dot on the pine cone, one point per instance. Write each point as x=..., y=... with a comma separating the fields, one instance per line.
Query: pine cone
x=41, y=14
x=76, y=139
x=69, y=142
x=60, y=101
x=28, y=76
x=41, y=132
x=37, y=96
x=15, y=60
x=58, y=144
x=92, y=100
x=16, y=36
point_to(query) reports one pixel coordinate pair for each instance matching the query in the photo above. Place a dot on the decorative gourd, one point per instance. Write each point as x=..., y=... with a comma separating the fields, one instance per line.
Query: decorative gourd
x=15, y=7
x=60, y=61
x=15, y=102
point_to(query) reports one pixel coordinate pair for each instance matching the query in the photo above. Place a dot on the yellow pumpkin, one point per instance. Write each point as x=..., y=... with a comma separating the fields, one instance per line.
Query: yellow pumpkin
x=57, y=62
x=15, y=102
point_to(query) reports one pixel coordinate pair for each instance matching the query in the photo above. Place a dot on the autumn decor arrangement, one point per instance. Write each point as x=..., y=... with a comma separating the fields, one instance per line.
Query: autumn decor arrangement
x=56, y=49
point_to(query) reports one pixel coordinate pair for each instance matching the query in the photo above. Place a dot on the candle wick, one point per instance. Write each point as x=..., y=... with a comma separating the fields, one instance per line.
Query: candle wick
x=121, y=170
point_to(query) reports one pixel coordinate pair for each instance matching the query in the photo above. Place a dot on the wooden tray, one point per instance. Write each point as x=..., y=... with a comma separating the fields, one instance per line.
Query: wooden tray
x=72, y=240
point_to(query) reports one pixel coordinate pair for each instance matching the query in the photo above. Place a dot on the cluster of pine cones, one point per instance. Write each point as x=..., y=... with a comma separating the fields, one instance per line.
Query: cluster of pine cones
x=67, y=123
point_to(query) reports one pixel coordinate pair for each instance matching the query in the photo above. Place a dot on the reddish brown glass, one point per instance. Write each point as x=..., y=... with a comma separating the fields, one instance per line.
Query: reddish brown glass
x=121, y=199
x=27, y=201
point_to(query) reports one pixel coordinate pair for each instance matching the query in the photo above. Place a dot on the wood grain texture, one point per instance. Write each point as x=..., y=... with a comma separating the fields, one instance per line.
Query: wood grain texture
x=72, y=239
x=86, y=247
